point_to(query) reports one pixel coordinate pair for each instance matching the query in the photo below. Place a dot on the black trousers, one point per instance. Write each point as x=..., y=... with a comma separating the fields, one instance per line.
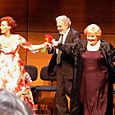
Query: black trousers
x=64, y=86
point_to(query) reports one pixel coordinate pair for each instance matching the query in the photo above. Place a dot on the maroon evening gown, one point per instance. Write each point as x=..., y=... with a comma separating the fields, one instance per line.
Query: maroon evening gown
x=94, y=85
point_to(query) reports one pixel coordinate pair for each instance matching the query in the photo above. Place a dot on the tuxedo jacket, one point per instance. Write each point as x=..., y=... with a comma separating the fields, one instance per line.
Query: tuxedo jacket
x=73, y=36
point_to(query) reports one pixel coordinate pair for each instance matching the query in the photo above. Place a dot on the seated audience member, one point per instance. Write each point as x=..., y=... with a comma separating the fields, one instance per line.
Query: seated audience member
x=11, y=104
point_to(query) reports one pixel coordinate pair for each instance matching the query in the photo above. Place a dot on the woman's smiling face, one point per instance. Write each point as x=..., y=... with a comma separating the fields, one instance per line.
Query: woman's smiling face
x=92, y=39
x=93, y=33
x=4, y=27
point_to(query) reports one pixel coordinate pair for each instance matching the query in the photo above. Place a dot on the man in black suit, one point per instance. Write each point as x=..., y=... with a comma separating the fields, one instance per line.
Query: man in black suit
x=64, y=67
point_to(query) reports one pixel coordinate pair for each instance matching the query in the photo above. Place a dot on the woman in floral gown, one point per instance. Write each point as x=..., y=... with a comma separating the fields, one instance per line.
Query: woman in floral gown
x=13, y=76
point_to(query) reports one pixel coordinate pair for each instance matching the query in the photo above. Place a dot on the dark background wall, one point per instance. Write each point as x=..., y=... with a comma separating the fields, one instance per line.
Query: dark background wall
x=82, y=12
x=39, y=15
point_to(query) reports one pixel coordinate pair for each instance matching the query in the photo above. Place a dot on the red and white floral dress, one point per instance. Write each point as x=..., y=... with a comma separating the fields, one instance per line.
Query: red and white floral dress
x=13, y=76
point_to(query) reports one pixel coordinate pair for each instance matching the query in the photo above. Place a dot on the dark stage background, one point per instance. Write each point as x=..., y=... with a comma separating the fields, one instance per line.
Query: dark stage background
x=39, y=15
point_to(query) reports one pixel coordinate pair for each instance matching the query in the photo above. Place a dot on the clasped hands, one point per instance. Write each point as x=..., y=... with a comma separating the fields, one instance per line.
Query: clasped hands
x=53, y=44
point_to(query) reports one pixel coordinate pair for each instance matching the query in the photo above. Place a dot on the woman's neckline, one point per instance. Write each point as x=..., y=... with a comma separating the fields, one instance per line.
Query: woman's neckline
x=95, y=47
x=7, y=36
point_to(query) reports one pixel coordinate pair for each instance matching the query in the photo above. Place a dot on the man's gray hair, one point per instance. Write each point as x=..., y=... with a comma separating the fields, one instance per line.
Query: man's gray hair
x=65, y=19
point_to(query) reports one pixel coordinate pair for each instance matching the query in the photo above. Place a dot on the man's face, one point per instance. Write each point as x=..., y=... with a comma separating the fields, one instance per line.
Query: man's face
x=61, y=27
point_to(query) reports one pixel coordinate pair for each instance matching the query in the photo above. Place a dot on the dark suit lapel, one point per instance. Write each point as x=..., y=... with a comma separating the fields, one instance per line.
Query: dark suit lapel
x=68, y=38
x=58, y=36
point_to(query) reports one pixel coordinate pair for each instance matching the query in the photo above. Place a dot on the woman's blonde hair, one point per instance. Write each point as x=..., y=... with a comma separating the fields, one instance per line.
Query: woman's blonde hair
x=93, y=29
